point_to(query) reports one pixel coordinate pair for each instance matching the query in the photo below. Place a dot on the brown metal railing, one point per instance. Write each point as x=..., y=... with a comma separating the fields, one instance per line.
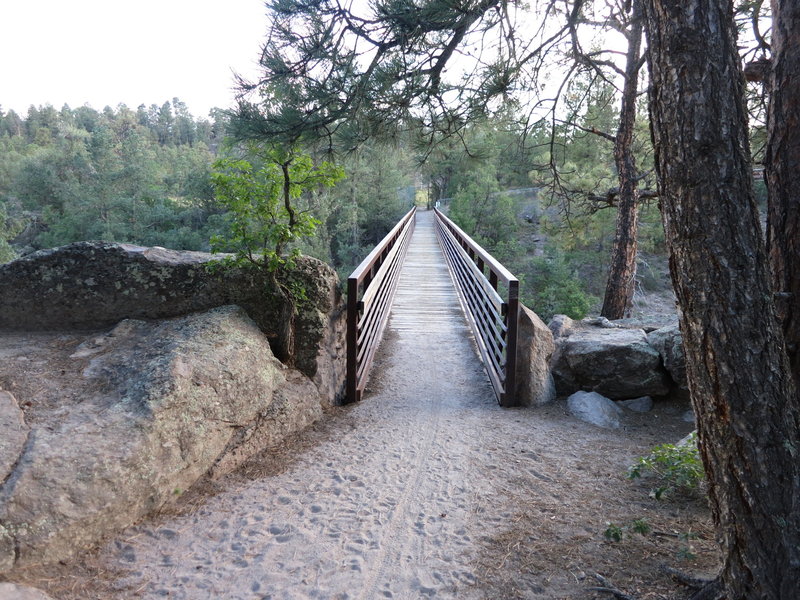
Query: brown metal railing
x=370, y=291
x=493, y=319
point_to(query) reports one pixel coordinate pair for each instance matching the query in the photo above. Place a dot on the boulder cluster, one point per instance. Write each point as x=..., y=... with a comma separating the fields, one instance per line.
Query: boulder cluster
x=603, y=366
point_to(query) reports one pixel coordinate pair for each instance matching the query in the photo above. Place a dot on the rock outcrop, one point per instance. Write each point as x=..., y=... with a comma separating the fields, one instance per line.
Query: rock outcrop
x=617, y=363
x=13, y=433
x=90, y=285
x=165, y=403
x=669, y=344
x=535, y=385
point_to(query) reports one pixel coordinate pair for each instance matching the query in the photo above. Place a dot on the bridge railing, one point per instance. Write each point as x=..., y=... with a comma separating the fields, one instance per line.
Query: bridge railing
x=370, y=291
x=492, y=317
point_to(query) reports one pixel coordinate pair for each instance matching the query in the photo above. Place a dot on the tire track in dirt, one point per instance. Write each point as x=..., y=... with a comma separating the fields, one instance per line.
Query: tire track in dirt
x=392, y=547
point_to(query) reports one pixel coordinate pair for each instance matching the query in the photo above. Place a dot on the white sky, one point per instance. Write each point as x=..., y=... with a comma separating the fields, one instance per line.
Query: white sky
x=107, y=52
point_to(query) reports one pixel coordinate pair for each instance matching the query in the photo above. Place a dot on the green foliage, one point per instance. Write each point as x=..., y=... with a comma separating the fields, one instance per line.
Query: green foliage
x=358, y=212
x=263, y=219
x=553, y=286
x=108, y=175
x=482, y=211
x=144, y=177
x=8, y=229
x=651, y=230
x=641, y=526
x=615, y=532
x=675, y=467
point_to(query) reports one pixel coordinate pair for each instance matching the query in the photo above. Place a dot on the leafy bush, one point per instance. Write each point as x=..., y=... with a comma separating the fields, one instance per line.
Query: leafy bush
x=260, y=200
x=553, y=287
x=676, y=467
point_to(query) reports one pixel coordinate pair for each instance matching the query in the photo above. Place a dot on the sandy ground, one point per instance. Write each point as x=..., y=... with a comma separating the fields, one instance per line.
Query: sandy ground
x=431, y=493
x=425, y=489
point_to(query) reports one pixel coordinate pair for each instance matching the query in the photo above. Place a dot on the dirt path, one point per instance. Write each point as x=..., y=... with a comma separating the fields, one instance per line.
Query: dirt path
x=425, y=489
x=390, y=508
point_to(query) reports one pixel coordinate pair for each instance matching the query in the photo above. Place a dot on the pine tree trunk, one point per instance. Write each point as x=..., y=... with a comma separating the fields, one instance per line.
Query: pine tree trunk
x=618, y=300
x=739, y=376
x=783, y=173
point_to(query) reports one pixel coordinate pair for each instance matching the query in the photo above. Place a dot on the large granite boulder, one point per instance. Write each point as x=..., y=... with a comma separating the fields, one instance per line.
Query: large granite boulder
x=153, y=407
x=617, y=363
x=90, y=285
x=669, y=344
x=535, y=385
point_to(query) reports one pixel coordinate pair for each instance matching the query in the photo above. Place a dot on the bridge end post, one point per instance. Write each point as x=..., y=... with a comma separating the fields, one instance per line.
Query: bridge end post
x=351, y=388
x=510, y=392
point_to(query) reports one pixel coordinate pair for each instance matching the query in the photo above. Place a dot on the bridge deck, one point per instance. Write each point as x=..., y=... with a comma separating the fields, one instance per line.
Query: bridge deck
x=426, y=300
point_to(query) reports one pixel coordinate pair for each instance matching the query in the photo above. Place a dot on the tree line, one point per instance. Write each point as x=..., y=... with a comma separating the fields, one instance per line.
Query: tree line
x=145, y=177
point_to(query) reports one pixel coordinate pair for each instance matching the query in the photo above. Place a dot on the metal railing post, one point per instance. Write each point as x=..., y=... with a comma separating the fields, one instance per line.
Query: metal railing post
x=352, y=337
x=512, y=319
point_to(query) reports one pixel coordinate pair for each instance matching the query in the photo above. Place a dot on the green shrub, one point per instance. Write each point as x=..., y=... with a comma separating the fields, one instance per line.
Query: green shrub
x=675, y=467
x=552, y=287
x=615, y=532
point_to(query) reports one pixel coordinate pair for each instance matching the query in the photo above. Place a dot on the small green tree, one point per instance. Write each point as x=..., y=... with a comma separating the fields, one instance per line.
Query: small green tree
x=264, y=219
x=261, y=203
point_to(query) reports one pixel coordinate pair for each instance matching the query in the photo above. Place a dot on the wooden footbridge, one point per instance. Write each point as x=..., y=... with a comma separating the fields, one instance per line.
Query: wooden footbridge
x=421, y=272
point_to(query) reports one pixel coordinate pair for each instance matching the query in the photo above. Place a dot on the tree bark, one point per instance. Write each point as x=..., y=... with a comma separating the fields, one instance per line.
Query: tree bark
x=738, y=372
x=782, y=171
x=618, y=300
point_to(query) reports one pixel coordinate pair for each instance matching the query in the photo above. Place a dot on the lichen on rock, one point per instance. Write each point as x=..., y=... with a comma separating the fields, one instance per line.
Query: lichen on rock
x=90, y=285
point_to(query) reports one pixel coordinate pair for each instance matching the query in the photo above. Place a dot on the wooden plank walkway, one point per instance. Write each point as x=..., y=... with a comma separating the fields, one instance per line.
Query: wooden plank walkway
x=426, y=300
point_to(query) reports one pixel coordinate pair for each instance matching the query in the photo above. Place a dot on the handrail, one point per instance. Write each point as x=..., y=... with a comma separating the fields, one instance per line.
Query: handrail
x=493, y=319
x=370, y=291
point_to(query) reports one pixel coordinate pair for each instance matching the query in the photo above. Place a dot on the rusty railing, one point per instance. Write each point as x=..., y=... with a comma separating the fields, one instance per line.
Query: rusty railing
x=370, y=291
x=492, y=318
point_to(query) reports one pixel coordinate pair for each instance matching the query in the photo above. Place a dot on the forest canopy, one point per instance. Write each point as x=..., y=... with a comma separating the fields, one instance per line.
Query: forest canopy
x=145, y=177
